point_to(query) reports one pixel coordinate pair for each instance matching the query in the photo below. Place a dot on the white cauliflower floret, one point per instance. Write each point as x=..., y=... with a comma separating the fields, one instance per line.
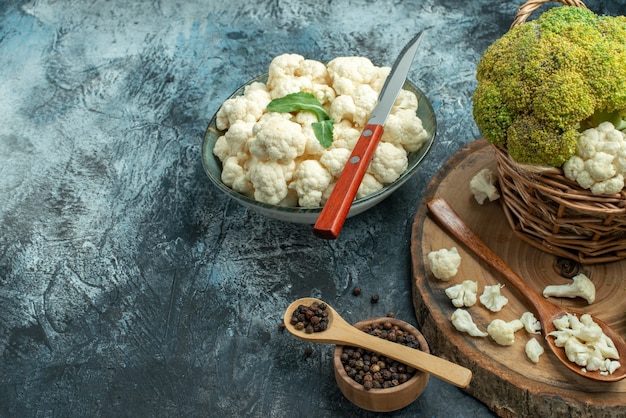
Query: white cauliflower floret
x=235, y=141
x=388, y=163
x=406, y=100
x=463, y=294
x=369, y=185
x=405, y=128
x=345, y=135
x=599, y=163
x=483, y=186
x=503, y=332
x=311, y=179
x=355, y=107
x=531, y=324
x=269, y=179
x=581, y=286
x=291, y=73
x=343, y=109
x=492, y=298
x=585, y=344
x=234, y=176
x=348, y=73
x=444, y=263
x=248, y=108
x=277, y=139
x=533, y=350
x=462, y=321
x=365, y=99
x=335, y=159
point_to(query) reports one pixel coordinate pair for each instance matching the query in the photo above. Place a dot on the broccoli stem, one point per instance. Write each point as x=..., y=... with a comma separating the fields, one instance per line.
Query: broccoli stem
x=618, y=119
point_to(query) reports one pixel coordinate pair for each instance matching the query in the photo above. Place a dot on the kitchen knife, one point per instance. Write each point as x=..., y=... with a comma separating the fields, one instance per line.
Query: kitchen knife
x=335, y=211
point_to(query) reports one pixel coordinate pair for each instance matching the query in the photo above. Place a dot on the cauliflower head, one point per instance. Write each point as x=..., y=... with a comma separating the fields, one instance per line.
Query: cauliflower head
x=545, y=80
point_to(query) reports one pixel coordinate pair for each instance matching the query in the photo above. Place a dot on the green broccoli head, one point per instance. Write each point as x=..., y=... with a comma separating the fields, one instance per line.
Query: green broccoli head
x=544, y=81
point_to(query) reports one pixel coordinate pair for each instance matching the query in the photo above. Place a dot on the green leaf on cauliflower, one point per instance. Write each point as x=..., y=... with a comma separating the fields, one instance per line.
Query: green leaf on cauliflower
x=324, y=132
x=296, y=102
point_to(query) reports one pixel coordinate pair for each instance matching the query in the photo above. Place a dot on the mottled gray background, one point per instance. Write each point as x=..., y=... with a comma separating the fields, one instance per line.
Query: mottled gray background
x=128, y=285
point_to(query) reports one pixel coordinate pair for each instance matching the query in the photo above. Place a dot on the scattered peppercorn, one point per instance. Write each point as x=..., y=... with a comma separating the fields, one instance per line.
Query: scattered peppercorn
x=375, y=371
x=375, y=298
x=356, y=291
x=282, y=326
x=391, y=314
x=307, y=352
x=313, y=318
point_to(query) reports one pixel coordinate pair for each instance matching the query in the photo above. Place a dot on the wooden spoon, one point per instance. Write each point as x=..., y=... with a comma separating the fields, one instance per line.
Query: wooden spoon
x=341, y=332
x=547, y=312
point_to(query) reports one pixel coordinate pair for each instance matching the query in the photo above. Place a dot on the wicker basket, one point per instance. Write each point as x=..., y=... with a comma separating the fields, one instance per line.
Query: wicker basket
x=553, y=213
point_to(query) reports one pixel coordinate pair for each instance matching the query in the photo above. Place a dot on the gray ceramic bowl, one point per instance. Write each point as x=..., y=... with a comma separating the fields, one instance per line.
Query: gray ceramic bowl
x=213, y=167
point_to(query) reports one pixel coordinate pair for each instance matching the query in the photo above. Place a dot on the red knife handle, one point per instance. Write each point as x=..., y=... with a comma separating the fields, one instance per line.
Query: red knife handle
x=336, y=209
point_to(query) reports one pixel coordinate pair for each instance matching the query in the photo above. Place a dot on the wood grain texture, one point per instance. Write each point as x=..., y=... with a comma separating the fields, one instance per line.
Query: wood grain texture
x=504, y=379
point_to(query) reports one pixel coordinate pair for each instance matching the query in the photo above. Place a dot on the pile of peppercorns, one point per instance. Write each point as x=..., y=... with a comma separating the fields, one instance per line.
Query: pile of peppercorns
x=375, y=371
x=312, y=318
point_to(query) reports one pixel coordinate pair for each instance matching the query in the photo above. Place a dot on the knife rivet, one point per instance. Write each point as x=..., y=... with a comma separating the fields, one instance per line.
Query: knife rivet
x=367, y=132
x=355, y=159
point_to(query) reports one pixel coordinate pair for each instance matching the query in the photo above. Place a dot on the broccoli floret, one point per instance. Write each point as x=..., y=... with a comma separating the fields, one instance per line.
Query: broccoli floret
x=545, y=81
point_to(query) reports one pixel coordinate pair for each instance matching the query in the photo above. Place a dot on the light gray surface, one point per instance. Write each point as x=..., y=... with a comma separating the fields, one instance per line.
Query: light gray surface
x=128, y=285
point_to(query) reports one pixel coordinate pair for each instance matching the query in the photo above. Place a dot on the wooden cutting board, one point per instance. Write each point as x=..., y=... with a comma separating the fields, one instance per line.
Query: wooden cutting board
x=504, y=378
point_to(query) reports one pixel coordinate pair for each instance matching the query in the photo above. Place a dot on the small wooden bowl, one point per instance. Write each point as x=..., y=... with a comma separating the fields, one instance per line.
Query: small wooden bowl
x=382, y=400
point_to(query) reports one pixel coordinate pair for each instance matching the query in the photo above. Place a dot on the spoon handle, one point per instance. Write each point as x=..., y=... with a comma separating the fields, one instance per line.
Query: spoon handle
x=436, y=366
x=449, y=219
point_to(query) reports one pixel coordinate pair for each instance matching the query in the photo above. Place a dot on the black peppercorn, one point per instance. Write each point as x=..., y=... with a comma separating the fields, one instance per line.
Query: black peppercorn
x=375, y=298
x=356, y=291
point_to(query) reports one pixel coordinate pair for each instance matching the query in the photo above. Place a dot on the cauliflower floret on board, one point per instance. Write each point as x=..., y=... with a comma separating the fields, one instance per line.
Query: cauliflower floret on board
x=462, y=321
x=310, y=181
x=531, y=324
x=463, y=294
x=533, y=350
x=444, y=263
x=581, y=286
x=483, y=186
x=503, y=332
x=492, y=298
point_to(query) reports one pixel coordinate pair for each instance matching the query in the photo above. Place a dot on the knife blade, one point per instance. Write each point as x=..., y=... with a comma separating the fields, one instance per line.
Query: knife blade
x=335, y=211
